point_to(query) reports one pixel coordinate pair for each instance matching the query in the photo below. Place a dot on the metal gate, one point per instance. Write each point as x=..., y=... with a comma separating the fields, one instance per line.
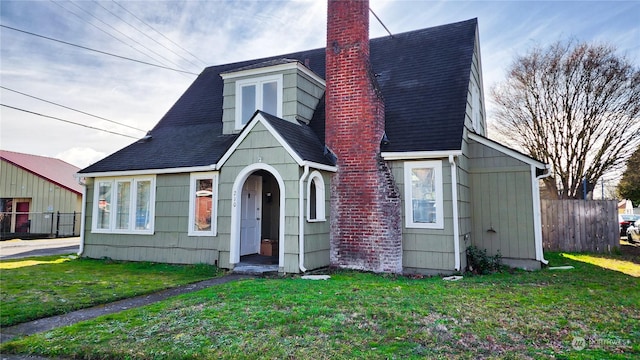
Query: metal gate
x=40, y=225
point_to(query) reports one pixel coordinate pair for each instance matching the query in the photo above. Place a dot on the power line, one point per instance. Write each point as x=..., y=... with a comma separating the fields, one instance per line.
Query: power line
x=69, y=108
x=380, y=21
x=125, y=35
x=98, y=51
x=161, y=34
x=67, y=121
x=145, y=34
x=103, y=30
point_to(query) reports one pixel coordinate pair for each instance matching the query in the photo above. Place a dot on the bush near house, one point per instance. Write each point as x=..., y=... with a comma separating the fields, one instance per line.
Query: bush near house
x=479, y=262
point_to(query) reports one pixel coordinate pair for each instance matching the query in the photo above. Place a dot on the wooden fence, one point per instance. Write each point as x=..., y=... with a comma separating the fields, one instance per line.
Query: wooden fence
x=580, y=226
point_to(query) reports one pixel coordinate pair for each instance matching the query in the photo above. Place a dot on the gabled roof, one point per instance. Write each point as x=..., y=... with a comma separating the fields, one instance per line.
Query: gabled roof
x=50, y=169
x=298, y=139
x=302, y=139
x=423, y=75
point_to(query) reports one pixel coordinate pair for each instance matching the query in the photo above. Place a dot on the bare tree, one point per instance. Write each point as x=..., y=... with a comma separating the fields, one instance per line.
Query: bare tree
x=575, y=106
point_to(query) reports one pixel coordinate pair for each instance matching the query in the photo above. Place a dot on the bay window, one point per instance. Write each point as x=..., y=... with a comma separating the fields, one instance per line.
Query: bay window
x=124, y=205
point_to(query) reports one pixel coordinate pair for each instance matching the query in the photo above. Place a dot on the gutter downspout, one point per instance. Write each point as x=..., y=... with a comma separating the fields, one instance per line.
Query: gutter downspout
x=454, y=200
x=82, y=215
x=537, y=220
x=301, y=213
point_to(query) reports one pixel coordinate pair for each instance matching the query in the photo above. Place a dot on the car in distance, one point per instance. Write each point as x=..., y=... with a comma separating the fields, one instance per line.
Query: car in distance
x=625, y=221
x=633, y=232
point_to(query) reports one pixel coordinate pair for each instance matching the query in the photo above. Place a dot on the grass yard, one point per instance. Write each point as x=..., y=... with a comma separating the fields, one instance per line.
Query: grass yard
x=38, y=287
x=586, y=312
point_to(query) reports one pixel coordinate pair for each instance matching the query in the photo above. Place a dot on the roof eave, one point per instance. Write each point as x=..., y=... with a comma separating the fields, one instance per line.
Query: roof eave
x=147, y=171
x=319, y=166
x=508, y=151
x=415, y=155
x=273, y=68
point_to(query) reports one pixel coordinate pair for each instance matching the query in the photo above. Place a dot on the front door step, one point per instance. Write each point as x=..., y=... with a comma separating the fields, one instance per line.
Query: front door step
x=244, y=268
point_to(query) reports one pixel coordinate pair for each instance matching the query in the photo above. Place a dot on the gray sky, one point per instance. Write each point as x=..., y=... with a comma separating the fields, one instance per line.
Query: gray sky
x=217, y=32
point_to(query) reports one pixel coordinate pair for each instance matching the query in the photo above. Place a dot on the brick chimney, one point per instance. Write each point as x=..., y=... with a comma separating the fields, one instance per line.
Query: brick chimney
x=366, y=232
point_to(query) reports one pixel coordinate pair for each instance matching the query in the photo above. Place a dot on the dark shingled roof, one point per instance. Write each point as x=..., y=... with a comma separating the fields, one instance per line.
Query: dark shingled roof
x=423, y=74
x=302, y=139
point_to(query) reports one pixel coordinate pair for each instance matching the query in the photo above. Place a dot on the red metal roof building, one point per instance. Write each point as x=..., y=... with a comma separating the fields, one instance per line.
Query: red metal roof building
x=34, y=190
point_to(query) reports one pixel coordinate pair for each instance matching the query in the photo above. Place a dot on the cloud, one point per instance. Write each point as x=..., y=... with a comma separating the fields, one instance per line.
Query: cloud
x=219, y=32
x=80, y=157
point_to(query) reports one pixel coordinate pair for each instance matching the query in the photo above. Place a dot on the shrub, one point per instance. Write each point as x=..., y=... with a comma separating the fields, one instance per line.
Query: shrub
x=478, y=262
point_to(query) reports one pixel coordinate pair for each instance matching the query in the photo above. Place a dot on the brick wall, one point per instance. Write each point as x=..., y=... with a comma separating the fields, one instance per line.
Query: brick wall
x=365, y=205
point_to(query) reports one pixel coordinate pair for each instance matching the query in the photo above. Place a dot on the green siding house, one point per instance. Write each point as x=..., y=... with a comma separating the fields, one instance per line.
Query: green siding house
x=253, y=167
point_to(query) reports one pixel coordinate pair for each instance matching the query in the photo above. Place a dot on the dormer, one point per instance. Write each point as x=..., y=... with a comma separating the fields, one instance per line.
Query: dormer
x=284, y=88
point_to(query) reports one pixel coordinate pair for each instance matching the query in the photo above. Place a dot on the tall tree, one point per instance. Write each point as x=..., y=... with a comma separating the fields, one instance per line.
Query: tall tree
x=629, y=186
x=575, y=106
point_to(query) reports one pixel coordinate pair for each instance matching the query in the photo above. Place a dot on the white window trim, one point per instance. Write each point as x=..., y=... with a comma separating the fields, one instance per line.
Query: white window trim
x=258, y=84
x=132, y=205
x=408, y=194
x=320, y=197
x=214, y=204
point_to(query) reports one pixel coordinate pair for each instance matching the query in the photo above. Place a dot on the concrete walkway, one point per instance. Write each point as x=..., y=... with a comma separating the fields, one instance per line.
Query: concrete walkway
x=46, y=324
x=17, y=248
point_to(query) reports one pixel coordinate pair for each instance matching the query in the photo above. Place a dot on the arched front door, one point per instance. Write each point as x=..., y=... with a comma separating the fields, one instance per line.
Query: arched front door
x=248, y=199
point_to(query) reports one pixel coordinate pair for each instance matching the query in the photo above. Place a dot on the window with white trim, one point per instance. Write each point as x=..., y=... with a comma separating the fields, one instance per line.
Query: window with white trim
x=202, y=200
x=124, y=205
x=423, y=194
x=315, y=198
x=263, y=93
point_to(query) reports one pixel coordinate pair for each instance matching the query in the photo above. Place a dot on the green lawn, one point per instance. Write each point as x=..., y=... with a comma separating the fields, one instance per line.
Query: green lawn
x=543, y=314
x=38, y=287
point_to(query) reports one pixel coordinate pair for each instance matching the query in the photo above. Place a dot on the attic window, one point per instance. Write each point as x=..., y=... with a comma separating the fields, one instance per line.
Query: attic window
x=263, y=93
